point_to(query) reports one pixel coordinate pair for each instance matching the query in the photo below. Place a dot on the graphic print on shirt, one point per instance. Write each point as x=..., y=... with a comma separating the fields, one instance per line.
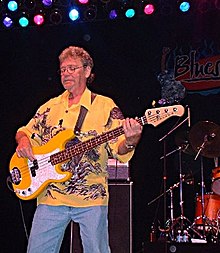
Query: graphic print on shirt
x=45, y=131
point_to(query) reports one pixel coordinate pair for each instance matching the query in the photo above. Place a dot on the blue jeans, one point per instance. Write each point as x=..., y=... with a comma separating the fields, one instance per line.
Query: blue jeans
x=50, y=222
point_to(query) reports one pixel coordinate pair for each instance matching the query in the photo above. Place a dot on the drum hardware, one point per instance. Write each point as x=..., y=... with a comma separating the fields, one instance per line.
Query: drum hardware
x=172, y=224
x=168, y=229
x=211, y=216
x=182, y=223
x=216, y=177
x=164, y=138
x=205, y=140
x=216, y=180
x=182, y=140
x=182, y=147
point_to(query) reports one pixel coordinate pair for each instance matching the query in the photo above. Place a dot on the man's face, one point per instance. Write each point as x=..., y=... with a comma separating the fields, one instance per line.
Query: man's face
x=74, y=74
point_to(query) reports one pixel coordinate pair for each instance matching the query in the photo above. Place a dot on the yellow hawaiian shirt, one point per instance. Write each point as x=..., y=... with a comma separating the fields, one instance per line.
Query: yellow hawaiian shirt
x=52, y=130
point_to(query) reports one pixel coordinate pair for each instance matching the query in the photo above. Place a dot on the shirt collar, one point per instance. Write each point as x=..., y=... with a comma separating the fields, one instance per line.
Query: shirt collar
x=85, y=99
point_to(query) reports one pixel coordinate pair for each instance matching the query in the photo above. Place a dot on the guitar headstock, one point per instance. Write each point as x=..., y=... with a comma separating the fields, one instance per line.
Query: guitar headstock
x=156, y=116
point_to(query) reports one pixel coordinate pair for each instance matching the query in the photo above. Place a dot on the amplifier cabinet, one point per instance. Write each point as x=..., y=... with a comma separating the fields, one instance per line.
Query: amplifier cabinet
x=118, y=171
x=120, y=222
x=120, y=217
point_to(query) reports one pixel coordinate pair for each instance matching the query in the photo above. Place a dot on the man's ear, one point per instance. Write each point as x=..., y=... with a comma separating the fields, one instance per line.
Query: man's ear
x=87, y=71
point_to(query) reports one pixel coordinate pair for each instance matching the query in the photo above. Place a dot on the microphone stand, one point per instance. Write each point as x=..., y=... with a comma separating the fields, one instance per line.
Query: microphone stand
x=165, y=164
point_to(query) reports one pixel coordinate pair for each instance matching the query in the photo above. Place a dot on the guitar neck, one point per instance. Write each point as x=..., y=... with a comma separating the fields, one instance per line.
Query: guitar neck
x=154, y=116
x=82, y=147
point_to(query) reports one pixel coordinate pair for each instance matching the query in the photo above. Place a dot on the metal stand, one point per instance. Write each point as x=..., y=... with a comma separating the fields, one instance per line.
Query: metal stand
x=182, y=217
x=202, y=184
x=164, y=164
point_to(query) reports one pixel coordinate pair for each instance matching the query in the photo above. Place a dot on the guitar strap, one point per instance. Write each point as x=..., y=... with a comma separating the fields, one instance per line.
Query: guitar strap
x=82, y=115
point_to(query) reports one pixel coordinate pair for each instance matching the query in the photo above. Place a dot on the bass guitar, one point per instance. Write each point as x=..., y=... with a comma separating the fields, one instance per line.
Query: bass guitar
x=29, y=178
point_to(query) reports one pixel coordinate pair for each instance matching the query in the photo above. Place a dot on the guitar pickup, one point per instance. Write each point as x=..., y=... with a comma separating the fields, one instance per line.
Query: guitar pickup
x=34, y=168
x=15, y=176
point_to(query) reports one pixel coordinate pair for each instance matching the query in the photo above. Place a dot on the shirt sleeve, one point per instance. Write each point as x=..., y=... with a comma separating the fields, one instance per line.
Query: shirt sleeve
x=115, y=120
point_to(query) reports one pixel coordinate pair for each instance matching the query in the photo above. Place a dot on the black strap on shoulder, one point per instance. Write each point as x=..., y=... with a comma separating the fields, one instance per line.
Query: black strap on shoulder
x=82, y=115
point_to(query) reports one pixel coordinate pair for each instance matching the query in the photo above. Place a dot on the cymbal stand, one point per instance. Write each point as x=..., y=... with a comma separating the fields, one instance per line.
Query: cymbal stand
x=181, y=218
x=181, y=189
x=202, y=183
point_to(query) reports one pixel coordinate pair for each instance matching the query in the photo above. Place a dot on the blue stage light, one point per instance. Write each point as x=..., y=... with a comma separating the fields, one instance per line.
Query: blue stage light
x=12, y=5
x=7, y=21
x=130, y=13
x=74, y=14
x=23, y=21
x=184, y=6
x=47, y=3
x=113, y=14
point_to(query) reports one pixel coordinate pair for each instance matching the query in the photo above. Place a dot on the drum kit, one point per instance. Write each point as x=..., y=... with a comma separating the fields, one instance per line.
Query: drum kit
x=203, y=140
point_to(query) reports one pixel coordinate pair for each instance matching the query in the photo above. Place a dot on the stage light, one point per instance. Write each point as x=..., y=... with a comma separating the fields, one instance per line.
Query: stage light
x=74, y=14
x=12, y=5
x=83, y=1
x=90, y=13
x=7, y=21
x=113, y=14
x=149, y=9
x=23, y=21
x=47, y=3
x=39, y=19
x=130, y=13
x=30, y=4
x=56, y=17
x=184, y=6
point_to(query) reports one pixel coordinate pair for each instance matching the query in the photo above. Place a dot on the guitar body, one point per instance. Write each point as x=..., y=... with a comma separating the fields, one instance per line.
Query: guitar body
x=30, y=178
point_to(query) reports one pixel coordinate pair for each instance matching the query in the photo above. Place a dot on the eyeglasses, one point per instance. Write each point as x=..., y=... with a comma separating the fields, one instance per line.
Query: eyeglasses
x=70, y=69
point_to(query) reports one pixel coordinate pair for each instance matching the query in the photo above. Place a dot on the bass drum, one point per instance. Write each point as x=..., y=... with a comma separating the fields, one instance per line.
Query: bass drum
x=211, y=208
x=216, y=180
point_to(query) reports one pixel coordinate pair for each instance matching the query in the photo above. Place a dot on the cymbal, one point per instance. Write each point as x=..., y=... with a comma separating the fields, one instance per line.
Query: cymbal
x=205, y=135
x=182, y=140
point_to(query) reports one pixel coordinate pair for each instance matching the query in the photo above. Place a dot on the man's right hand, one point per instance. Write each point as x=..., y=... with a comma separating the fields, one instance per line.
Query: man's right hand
x=24, y=148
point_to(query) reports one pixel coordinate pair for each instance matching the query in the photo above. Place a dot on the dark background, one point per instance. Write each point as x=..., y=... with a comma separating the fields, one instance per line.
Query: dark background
x=127, y=56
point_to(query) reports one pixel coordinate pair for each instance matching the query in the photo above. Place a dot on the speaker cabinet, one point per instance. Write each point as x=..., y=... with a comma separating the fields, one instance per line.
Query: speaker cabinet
x=120, y=217
x=120, y=222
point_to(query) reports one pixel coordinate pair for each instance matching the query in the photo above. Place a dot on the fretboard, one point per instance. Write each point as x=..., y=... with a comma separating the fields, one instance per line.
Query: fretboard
x=87, y=145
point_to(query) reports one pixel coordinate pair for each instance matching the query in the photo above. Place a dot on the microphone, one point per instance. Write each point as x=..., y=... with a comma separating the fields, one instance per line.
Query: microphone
x=189, y=122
